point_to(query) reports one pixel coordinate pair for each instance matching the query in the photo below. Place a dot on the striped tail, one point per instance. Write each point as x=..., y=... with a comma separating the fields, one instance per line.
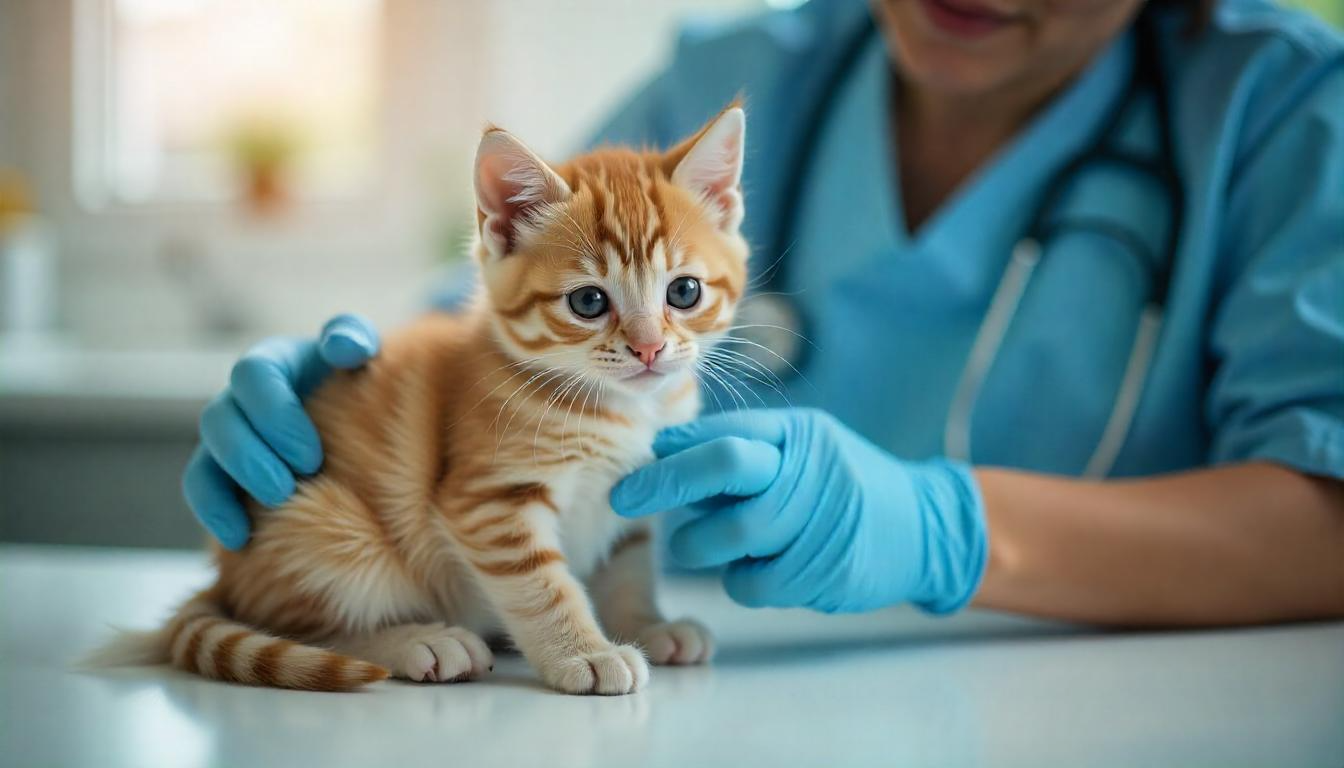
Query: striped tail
x=200, y=639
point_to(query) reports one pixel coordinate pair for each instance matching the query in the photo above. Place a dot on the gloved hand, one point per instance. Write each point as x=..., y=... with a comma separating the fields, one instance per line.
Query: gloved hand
x=255, y=434
x=804, y=512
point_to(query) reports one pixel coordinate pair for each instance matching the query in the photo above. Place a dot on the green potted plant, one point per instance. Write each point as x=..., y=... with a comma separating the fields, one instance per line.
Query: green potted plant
x=264, y=153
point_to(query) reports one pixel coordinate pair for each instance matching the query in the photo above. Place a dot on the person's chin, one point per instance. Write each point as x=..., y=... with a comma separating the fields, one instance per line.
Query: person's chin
x=935, y=58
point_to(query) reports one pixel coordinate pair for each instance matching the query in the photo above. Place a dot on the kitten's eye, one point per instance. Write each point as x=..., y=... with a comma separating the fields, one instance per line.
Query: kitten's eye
x=684, y=292
x=588, y=302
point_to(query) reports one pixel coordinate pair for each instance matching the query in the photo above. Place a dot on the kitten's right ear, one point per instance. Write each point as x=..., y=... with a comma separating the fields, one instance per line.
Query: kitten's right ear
x=514, y=188
x=709, y=165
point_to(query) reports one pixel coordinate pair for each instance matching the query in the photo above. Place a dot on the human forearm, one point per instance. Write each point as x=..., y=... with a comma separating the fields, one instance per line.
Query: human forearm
x=1241, y=544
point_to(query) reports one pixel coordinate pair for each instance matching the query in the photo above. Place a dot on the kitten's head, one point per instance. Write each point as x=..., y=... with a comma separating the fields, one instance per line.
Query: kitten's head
x=618, y=265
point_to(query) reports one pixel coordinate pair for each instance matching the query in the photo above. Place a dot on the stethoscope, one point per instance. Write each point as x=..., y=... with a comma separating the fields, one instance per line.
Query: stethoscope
x=775, y=322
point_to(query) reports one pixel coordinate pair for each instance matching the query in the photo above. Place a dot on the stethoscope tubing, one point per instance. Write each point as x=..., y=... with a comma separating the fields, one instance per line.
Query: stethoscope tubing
x=985, y=348
x=1023, y=261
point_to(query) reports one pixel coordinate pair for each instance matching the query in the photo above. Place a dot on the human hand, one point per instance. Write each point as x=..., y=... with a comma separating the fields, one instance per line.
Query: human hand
x=255, y=434
x=804, y=512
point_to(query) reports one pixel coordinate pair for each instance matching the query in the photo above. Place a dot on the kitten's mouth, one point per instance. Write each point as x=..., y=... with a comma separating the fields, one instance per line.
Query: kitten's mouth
x=645, y=379
x=648, y=374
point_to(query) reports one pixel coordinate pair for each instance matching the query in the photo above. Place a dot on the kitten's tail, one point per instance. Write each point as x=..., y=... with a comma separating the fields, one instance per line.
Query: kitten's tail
x=202, y=640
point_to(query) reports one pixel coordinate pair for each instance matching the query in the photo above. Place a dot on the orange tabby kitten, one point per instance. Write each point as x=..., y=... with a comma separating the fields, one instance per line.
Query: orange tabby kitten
x=468, y=467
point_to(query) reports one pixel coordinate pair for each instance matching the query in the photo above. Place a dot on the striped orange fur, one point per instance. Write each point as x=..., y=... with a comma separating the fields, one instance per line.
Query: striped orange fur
x=202, y=640
x=464, y=490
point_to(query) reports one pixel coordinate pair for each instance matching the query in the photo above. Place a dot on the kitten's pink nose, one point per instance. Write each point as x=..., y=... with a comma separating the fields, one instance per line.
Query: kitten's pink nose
x=646, y=351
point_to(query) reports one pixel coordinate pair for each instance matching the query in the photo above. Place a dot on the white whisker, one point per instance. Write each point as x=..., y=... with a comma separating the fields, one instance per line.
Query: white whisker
x=583, y=414
x=776, y=327
x=729, y=364
x=750, y=366
x=514, y=394
x=704, y=385
x=551, y=402
x=549, y=374
x=710, y=372
x=740, y=340
x=767, y=273
x=523, y=369
x=725, y=371
x=553, y=375
x=564, y=425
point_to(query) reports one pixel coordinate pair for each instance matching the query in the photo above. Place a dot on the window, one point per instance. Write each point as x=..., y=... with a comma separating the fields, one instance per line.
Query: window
x=212, y=100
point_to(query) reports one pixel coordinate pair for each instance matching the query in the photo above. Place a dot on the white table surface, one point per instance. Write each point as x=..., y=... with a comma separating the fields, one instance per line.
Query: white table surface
x=788, y=688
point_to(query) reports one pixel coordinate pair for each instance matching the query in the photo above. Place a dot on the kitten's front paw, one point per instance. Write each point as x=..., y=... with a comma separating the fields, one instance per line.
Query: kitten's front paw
x=612, y=671
x=685, y=641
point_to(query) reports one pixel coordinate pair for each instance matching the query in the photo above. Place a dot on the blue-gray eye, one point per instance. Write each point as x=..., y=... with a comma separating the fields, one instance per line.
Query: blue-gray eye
x=588, y=302
x=684, y=292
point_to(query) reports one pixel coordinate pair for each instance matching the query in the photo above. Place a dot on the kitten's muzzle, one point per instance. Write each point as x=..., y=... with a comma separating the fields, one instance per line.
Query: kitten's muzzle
x=647, y=351
x=644, y=337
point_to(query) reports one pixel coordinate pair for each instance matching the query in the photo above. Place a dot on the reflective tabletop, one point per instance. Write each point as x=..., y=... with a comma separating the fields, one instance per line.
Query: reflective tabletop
x=787, y=688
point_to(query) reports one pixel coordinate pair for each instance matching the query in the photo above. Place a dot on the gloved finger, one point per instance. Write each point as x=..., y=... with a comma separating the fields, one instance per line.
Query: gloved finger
x=728, y=466
x=264, y=385
x=674, y=520
x=752, y=583
x=764, y=425
x=712, y=504
x=213, y=498
x=241, y=453
x=752, y=528
x=348, y=341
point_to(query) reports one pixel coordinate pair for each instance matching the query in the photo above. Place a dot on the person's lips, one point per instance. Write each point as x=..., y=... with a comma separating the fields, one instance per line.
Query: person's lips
x=963, y=19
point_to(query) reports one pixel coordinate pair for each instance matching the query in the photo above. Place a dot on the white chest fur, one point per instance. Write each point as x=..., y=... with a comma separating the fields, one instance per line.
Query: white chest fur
x=588, y=526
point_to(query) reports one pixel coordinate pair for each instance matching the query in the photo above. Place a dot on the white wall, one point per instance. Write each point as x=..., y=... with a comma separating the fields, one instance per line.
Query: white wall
x=283, y=275
x=7, y=65
x=557, y=68
x=547, y=70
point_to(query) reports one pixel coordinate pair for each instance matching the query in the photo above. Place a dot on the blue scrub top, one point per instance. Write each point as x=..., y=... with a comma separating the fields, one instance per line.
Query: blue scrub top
x=1250, y=361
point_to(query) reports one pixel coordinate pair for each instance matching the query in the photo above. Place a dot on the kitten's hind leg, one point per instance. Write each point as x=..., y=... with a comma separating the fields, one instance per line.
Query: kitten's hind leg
x=425, y=653
x=623, y=589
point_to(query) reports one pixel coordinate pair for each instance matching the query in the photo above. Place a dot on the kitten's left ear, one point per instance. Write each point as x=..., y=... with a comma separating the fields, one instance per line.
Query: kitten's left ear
x=513, y=188
x=709, y=165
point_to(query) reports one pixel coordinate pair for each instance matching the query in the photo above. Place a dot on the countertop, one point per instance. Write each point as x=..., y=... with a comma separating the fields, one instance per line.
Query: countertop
x=53, y=382
x=788, y=688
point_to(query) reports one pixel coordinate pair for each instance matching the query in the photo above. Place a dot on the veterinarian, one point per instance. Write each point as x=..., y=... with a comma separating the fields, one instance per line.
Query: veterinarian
x=1071, y=279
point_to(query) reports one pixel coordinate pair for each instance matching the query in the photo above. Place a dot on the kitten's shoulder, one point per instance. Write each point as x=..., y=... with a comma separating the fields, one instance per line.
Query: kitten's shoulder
x=433, y=334
x=411, y=357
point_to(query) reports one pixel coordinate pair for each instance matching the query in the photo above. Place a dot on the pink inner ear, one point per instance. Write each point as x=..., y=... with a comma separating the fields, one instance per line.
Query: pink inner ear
x=712, y=167
x=510, y=184
x=719, y=189
x=723, y=194
x=732, y=146
x=502, y=228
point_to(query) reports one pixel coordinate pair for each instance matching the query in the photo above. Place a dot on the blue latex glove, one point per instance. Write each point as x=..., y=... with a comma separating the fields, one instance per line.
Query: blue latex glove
x=804, y=512
x=255, y=435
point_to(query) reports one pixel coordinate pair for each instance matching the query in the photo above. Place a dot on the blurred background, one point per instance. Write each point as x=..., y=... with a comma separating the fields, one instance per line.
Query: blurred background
x=179, y=178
